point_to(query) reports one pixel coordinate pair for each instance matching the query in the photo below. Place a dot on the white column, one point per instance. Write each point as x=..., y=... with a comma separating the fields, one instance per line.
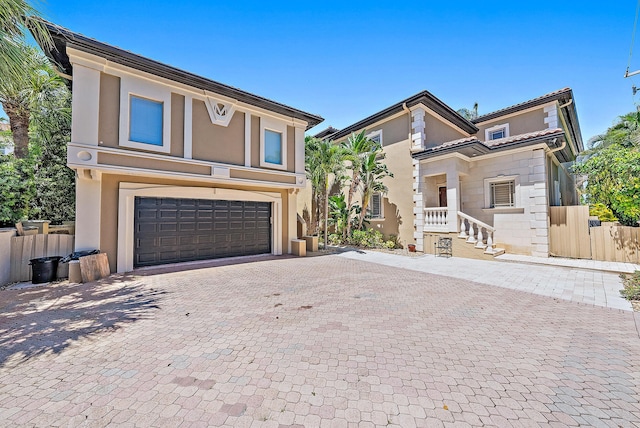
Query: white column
x=188, y=127
x=418, y=207
x=88, y=203
x=85, y=105
x=453, y=199
x=247, y=138
x=292, y=217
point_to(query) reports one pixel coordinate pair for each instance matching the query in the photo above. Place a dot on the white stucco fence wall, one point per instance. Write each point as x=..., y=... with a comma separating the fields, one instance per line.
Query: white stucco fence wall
x=5, y=254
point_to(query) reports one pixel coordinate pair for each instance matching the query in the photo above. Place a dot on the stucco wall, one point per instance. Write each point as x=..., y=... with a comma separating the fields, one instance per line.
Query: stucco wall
x=217, y=143
x=398, y=202
x=437, y=132
x=518, y=124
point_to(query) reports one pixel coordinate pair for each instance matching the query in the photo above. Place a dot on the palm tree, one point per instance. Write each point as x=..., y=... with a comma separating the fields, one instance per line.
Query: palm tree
x=35, y=86
x=325, y=169
x=372, y=172
x=16, y=17
x=469, y=114
x=357, y=146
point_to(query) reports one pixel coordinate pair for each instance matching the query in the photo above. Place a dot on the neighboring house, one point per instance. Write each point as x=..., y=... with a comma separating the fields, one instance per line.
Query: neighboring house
x=175, y=167
x=490, y=180
x=6, y=143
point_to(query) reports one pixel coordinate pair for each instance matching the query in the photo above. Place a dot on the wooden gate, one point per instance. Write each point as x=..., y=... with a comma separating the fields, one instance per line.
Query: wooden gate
x=569, y=232
x=25, y=248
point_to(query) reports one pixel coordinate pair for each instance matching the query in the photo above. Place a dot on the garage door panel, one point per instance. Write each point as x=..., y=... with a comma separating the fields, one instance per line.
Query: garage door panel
x=171, y=230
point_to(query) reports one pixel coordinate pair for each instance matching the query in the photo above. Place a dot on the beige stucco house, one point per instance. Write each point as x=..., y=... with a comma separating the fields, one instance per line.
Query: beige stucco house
x=172, y=166
x=489, y=181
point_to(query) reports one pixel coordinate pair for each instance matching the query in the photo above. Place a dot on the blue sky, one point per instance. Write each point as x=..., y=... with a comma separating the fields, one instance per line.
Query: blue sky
x=345, y=60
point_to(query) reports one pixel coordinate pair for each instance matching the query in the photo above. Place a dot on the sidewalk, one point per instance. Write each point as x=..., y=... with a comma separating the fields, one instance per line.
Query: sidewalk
x=615, y=267
x=591, y=287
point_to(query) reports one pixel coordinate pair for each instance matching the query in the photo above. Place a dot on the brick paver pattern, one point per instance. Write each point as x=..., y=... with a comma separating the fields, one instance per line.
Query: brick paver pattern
x=324, y=341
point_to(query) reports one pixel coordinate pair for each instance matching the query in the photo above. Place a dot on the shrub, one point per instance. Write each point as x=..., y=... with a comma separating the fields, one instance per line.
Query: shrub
x=368, y=238
x=390, y=245
x=631, y=290
x=603, y=212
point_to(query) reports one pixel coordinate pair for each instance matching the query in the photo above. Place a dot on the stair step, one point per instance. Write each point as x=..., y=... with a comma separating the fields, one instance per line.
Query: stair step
x=495, y=252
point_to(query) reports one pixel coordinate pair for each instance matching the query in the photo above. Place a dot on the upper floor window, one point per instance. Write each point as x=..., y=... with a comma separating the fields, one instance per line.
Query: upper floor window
x=145, y=115
x=375, y=136
x=272, y=147
x=273, y=143
x=497, y=132
x=145, y=121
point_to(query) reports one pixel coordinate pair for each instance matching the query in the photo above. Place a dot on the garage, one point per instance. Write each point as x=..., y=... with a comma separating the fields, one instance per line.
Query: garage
x=171, y=230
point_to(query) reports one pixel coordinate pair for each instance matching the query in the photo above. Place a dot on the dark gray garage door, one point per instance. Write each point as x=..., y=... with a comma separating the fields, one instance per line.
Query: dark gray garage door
x=171, y=230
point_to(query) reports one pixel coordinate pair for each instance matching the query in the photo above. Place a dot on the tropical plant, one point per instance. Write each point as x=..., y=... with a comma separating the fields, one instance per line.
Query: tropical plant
x=35, y=87
x=357, y=146
x=469, y=114
x=611, y=167
x=372, y=173
x=16, y=17
x=324, y=163
x=340, y=214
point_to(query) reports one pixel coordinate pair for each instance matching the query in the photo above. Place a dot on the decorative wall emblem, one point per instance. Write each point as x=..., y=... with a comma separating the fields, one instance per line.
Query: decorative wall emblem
x=220, y=111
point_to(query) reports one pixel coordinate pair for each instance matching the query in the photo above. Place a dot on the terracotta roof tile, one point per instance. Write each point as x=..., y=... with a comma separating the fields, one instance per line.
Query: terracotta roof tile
x=455, y=143
x=526, y=104
x=521, y=137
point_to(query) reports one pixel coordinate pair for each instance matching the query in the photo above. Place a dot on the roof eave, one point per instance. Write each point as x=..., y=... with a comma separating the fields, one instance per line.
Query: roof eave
x=424, y=97
x=426, y=154
x=556, y=96
x=63, y=38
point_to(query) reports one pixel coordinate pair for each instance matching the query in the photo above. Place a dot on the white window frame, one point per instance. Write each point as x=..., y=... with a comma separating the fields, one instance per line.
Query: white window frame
x=131, y=86
x=372, y=135
x=370, y=209
x=488, y=131
x=268, y=124
x=500, y=179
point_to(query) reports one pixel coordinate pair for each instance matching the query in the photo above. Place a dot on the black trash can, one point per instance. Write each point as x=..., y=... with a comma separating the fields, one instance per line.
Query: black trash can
x=44, y=269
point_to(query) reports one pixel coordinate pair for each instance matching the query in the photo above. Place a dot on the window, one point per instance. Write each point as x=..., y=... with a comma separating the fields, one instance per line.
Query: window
x=497, y=132
x=274, y=139
x=145, y=121
x=502, y=194
x=272, y=147
x=375, y=206
x=375, y=136
x=145, y=115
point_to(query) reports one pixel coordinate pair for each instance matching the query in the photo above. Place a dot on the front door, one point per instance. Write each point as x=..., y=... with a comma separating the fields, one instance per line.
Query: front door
x=442, y=196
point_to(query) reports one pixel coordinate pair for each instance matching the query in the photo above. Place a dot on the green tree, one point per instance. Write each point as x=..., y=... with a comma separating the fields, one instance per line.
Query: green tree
x=16, y=17
x=324, y=163
x=35, y=87
x=372, y=173
x=357, y=148
x=469, y=114
x=612, y=169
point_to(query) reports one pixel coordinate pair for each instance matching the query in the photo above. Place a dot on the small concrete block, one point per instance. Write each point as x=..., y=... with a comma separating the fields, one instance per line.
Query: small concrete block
x=299, y=247
x=75, y=276
x=312, y=243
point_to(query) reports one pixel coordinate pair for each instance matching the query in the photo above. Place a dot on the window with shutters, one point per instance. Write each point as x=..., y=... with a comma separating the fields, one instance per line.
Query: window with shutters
x=375, y=206
x=502, y=194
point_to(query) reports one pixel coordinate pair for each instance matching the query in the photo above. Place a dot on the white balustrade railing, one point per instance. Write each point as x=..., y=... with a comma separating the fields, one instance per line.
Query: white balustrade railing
x=435, y=219
x=473, y=233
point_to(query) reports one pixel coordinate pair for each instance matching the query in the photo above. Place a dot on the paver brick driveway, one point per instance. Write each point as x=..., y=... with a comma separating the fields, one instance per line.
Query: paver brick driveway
x=323, y=341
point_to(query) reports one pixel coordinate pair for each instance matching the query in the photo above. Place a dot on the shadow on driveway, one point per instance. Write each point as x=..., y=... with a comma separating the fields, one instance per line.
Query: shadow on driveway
x=46, y=319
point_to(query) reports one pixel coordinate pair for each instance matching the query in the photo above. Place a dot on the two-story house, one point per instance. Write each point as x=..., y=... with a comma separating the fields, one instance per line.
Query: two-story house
x=172, y=166
x=489, y=181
